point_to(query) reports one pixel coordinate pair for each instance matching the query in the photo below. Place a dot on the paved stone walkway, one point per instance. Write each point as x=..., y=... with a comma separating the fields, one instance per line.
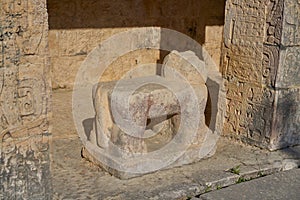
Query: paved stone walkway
x=76, y=178
x=283, y=185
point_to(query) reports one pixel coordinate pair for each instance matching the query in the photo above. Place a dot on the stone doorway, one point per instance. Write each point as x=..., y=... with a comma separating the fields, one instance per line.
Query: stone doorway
x=76, y=27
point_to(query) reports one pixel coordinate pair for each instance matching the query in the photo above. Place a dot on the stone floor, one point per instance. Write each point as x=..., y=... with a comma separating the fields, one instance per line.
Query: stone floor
x=282, y=185
x=75, y=178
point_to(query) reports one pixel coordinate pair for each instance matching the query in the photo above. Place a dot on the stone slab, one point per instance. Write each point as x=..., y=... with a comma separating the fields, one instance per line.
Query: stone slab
x=283, y=185
x=291, y=25
x=288, y=74
x=286, y=119
x=25, y=168
x=185, y=66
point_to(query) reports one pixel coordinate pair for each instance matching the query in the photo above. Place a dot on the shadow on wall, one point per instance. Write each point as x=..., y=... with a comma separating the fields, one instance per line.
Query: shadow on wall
x=189, y=17
x=77, y=26
x=270, y=122
x=285, y=123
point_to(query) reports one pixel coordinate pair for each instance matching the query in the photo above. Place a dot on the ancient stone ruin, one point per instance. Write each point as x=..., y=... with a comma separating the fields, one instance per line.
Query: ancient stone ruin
x=254, y=44
x=138, y=116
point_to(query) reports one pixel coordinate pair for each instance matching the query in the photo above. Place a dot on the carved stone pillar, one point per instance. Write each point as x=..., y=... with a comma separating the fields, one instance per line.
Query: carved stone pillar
x=24, y=100
x=261, y=65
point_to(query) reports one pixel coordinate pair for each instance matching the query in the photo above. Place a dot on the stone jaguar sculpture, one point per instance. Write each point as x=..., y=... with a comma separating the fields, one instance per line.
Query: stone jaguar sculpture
x=133, y=118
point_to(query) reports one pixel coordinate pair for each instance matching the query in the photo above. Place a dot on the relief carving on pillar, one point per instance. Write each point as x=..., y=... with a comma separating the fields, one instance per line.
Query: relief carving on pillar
x=291, y=23
x=270, y=65
x=289, y=71
x=24, y=100
x=250, y=63
x=23, y=86
x=274, y=22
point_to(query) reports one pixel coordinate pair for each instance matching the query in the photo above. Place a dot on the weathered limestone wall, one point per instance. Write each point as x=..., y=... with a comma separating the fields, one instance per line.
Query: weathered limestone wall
x=24, y=100
x=78, y=26
x=261, y=65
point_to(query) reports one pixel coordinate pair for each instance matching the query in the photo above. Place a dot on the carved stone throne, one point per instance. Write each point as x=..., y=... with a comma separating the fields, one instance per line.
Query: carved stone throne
x=156, y=122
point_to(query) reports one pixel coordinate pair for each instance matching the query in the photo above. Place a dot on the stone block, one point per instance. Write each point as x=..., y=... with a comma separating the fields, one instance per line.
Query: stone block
x=290, y=23
x=63, y=77
x=114, y=126
x=135, y=64
x=25, y=167
x=151, y=101
x=216, y=104
x=260, y=60
x=184, y=66
x=157, y=121
x=288, y=73
x=25, y=101
x=286, y=121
